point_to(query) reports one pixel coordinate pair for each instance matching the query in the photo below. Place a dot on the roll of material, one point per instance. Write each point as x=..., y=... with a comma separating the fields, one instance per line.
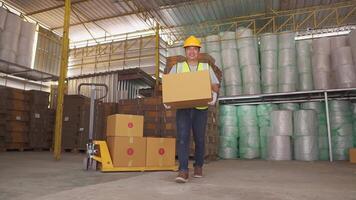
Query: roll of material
x=269, y=76
x=354, y=123
x=226, y=120
x=287, y=57
x=321, y=62
x=305, y=123
x=269, y=42
x=247, y=116
x=228, y=40
x=306, y=81
x=323, y=142
x=306, y=148
x=248, y=56
x=212, y=43
x=217, y=57
x=323, y=154
x=303, y=46
x=268, y=89
x=251, y=88
x=287, y=87
x=232, y=75
x=249, y=145
x=345, y=76
x=338, y=41
x=233, y=90
x=227, y=110
x=321, y=46
x=3, y=14
x=286, y=40
x=340, y=106
x=229, y=131
x=228, y=147
x=242, y=32
x=279, y=148
x=289, y=106
x=269, y=59
x=250, y=74
x=13, y=24
x=322, y=80
x=314, y=105
x=287, y=75
x=341, y=56
x=304, y=63
x=230, y=57
x=281, y=123
x=264, y=114
x=247, y=42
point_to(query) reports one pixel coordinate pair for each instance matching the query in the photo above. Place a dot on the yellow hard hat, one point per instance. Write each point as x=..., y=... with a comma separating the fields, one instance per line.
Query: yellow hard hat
x=192, y=41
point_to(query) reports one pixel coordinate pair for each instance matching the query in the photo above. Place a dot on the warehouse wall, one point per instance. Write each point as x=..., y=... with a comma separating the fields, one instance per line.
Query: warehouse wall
x=132, y=53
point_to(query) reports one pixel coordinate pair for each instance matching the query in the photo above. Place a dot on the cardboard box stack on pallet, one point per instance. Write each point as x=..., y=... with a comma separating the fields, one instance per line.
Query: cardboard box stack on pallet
x=41, y=126
x=128, y=147
x=103, y=110
x=75, y=122
x=15, y=118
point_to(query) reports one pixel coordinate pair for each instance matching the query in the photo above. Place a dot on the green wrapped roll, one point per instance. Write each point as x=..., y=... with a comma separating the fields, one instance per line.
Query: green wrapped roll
x=264, y=114
x=247, y=115
x=229, y=131
x=354, y=123
x=228, y=147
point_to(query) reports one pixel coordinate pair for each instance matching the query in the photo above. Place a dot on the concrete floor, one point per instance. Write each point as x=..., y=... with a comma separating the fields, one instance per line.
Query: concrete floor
x=35, y=175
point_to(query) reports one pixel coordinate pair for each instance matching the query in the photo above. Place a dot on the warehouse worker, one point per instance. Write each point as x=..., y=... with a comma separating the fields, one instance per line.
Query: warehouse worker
x=192, y=118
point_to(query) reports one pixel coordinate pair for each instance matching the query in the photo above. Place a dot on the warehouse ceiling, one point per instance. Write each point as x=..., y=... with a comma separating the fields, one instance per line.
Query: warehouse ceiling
x=103, y=18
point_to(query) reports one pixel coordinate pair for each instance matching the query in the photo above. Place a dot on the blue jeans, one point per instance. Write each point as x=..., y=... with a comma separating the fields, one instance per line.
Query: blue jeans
x=191, y=119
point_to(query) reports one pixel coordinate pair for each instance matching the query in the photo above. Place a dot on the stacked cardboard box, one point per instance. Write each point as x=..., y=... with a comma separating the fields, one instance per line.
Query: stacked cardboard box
x=41, y=120
x=14, y=118
x=128, y=147
x=75, y=122
x=103, y=110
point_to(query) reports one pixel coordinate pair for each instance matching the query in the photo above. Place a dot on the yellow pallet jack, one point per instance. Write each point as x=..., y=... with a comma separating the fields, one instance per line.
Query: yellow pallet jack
x=98, y=155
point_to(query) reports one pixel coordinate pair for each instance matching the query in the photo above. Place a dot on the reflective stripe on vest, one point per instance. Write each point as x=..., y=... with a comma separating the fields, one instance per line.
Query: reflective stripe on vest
x=184, y=67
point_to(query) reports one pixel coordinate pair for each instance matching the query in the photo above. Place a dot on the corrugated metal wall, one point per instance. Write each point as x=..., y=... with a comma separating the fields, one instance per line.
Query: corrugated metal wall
x=117, y=89
x=132, y=53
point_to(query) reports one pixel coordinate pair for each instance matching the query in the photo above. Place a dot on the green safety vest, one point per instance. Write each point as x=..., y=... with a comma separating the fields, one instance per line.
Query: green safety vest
x=183, y=67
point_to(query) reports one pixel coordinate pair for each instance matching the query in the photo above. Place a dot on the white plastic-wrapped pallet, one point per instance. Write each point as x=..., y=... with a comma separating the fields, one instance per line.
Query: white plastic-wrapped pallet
x=25, y=46
x=287, y=67
x=248, y=60
x=269, y=62
x=343, y=67
x=321, y=64
x=304, y=65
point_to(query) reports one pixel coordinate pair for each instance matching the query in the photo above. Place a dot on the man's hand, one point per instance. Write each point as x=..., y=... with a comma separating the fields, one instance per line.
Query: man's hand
x=215, y=97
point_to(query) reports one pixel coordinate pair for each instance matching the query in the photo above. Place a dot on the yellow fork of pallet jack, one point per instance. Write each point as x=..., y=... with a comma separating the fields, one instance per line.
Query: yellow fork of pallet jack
x=107, y=165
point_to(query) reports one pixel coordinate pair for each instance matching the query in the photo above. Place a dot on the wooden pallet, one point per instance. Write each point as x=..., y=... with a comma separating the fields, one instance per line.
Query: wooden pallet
x=74, y=150
x=17, y=147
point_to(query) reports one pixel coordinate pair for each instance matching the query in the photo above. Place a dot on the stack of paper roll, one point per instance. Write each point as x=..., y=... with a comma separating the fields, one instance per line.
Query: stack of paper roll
x=25, y=46
x=228, y=148
x=213, y=48
x=269, y=62
x=279, y=140
x=249, y=140
x=341, y=128
x=305, y=135
x=9, y=39
x=264, y=123
x=3, y=14
x=248, y=60
x=338, y=41
x=304, y=65
x=343, y=67
x=323, y=142
x=321, y=64
x=287, y=66
x=230, y=64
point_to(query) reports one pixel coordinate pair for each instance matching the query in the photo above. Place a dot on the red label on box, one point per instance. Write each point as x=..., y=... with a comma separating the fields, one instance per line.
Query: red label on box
x=161, y=151
x=130, y=125
x=130, y=151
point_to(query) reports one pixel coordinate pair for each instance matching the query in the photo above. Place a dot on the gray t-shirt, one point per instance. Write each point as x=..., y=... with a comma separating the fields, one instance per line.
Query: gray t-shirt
x=213, y=78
